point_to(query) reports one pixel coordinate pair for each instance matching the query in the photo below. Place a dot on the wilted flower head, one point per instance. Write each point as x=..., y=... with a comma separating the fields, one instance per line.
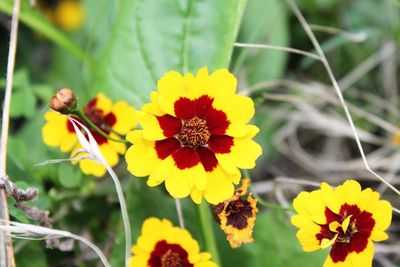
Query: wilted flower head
x=237, y=216
x=346, y=218
x=195, y=136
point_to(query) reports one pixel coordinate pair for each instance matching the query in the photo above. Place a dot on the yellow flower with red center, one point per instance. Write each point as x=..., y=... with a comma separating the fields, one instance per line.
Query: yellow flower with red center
x=346, y=218
x=237, y=216
x=195, y=136
x=113, y=119
x=163, y=245
x=67, y=14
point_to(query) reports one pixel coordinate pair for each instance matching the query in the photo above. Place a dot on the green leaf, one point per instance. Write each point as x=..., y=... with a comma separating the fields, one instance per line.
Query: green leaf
x=152, y=37
x=23, y=103
x=69, y=175
x=264, y=22
x=17, y=151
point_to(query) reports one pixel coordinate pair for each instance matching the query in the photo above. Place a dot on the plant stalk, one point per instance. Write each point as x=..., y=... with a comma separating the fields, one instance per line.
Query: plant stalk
x=208, y=232
x=6, y=245
x=82, y=116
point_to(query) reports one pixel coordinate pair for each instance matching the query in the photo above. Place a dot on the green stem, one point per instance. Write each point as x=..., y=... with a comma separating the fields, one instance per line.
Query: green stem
x=264, y=203
x=261, y=201
x=97, y=129
x=208, y=233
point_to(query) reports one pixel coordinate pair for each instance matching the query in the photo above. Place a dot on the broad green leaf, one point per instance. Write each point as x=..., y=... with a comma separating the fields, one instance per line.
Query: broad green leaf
x=153, y=37
x=264, y=22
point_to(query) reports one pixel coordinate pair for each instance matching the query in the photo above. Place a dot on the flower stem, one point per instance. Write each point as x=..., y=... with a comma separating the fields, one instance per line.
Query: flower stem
x=269, y=205
x=208, y=232
x=82, y=116
x=261, y=201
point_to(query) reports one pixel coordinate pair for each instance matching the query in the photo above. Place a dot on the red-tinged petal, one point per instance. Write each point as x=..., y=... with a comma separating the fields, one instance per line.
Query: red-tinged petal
x=207, y=158
x=184, y=108
x=169, y=124
x=339, y=252
x=220, y=143
x=166, y=147
x=185, y=157
x=203, y=106
x=217, y=121
x=110, y=119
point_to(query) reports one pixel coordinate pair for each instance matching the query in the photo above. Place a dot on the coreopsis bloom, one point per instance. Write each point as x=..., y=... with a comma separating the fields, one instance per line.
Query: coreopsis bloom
x=346, y=218
x=113, y=119
x=237, y=216
x=67, y=14
x=163, y=245
x=195, y=136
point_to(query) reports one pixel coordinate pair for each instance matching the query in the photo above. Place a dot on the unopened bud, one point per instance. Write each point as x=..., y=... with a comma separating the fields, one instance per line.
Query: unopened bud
x=64, y=101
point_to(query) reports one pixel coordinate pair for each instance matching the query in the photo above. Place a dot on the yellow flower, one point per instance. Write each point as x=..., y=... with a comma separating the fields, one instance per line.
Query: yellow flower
x=163, y=245
x=237, y=216
x=195, y=136
x=346, y=218
x=114, y=119
x=67, y=14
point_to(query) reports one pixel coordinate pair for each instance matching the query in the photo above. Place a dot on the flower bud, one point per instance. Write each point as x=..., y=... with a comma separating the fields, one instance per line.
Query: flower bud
x=64, y=101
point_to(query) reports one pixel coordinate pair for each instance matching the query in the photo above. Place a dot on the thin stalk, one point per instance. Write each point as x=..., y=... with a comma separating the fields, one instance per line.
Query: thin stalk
x=124, y=212
x=280, y=48
x=82, y=116
x=180, y=213
x=264, y=203
x=261, y=201
x=208, y=232
x=89, y=144
x=6, y=245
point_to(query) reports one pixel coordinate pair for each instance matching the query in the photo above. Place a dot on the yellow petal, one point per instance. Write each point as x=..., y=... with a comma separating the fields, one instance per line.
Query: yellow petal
x=327, y=243
x=153, y=107
x=91, y=167
x=109, y=154
x=151, y=127
x=244, y=153
x=103, y=103
x=141, y=158
x=238, y=108
x=126, y=117
x=171, y=87
x=181, y=182
x=219, y=186
x=55, y=130
x=69, y=15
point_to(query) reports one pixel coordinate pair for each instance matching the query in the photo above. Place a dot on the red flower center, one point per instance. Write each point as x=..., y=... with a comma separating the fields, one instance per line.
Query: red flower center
x=195, y=134
x=354, y=238
x=97, y=116
x=168, y=255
